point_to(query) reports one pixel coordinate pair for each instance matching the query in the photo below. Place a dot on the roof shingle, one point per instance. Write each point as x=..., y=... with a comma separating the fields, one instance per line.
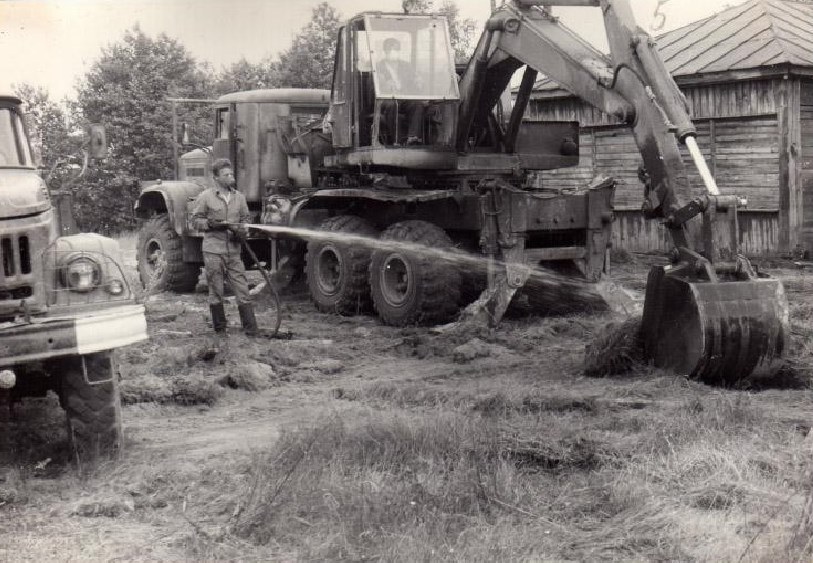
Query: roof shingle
x=747, y=36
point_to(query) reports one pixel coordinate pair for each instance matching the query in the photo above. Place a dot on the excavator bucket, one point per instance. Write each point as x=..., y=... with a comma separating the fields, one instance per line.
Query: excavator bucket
x=719, y=332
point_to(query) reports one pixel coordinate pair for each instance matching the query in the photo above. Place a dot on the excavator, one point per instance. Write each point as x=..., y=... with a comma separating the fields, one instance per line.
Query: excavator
x=416, y=153
x=708, y=314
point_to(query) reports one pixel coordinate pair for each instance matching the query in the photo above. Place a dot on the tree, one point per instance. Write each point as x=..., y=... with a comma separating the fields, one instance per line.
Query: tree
x=461, y=30
x=308, y=63
x=244, y=75
x=47, y=123
x=127, y=91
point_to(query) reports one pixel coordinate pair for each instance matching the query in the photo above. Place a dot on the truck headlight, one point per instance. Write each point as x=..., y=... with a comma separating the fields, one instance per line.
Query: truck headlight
x=115, y=287
x=82, y=274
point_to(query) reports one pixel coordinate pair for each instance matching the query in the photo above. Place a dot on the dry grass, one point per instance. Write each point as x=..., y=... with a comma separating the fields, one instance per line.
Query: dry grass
x=705, y=477
x=511, y=456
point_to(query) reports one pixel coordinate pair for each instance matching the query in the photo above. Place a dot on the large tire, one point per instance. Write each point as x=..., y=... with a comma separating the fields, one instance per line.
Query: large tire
x=338, y=273
x=156, y=240
x=93, y=411
x=410, y=287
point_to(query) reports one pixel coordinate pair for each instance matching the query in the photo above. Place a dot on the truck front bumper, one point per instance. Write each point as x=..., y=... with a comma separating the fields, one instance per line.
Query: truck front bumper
x=50, y=337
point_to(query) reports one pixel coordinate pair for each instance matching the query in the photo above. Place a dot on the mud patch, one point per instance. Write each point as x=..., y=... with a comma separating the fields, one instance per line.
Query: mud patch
x=104, y=506
x=615, y=349
x=251, y=376
x=145, y=389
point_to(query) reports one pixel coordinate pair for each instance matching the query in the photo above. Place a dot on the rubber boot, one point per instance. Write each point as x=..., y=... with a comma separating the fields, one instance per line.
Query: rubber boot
x=218, y=317
x=247, y=318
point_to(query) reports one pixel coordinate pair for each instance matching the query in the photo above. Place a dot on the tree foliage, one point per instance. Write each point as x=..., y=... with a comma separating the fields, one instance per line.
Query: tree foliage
x=126, y=89
x=308, y=63
x=244, y=75
x=461, y=30
x=47, y=124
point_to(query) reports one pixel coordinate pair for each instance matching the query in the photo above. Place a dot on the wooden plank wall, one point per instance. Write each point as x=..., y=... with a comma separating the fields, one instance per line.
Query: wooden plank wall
x=738, y=134
x=748, y=97
x=806, y=162
x=759, y=233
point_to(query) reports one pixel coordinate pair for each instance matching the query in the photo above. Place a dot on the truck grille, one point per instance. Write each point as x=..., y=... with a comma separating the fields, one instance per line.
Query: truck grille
x=15, y=256
x=16, y=294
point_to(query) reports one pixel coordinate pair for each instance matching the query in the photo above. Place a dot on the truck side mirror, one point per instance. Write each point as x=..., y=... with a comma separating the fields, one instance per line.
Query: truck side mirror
x=97, y=142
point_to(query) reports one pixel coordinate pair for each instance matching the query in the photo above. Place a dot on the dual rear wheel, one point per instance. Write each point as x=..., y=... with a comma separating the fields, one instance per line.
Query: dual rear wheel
x=401, y=273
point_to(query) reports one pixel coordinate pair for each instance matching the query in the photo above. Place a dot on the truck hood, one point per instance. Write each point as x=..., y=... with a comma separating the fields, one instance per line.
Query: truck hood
x=22, y=192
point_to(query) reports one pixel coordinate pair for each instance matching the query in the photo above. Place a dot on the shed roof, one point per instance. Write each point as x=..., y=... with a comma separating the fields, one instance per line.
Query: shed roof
x=752, y=36
x=755, y=34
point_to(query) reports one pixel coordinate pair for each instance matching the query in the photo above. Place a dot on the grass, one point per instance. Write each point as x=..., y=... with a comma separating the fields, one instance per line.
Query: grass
x=513, y=456
x=708, y=477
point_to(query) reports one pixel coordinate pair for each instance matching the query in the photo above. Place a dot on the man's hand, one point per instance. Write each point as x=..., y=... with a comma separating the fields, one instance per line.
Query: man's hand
x=217, y=225
x=239, y=230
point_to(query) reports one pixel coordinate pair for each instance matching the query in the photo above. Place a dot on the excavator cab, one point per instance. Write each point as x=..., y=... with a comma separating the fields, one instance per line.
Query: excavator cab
x=394, y=83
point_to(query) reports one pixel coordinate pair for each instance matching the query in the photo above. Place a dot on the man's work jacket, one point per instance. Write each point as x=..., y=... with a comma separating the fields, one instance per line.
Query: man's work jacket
x=212, y=204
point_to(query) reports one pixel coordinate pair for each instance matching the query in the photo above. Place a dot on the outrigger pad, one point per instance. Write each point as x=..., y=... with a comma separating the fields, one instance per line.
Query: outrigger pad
x=718, y=332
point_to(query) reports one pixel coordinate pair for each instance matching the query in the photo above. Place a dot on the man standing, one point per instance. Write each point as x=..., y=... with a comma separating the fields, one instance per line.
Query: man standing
x=216, y=212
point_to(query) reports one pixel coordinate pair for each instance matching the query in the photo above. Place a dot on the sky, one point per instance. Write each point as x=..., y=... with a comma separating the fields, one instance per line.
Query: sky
x=52, y=43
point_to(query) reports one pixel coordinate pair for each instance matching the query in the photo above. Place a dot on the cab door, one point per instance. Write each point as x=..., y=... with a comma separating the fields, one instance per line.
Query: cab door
x=341, y=106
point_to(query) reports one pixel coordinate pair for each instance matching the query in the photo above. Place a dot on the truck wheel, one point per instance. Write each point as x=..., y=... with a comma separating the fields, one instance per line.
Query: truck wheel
x=160, y=257
x=410, y=287
x=338, y=273
x=93, y=411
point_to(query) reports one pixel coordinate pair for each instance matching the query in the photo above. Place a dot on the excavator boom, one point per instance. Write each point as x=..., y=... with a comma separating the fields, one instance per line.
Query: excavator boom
x=706, y=317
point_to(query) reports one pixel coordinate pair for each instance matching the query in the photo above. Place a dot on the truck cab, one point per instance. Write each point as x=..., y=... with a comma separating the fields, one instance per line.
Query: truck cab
x=65, y=301
x=26, y=216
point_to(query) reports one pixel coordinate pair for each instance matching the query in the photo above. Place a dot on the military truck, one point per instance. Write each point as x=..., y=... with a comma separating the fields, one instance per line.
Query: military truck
x=65, y=302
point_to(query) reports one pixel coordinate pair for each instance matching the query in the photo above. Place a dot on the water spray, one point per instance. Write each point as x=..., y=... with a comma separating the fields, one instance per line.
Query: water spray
x=539, y=276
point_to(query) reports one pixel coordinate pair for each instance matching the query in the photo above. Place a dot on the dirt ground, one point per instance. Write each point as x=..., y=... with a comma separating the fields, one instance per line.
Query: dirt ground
x=197, y=429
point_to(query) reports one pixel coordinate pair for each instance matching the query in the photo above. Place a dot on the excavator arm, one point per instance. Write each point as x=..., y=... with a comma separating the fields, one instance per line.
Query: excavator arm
x=704, y=317
x=631, y=84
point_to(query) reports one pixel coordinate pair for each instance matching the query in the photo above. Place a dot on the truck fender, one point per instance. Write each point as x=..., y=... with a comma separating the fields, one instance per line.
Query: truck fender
x=171, y=198
x=104, y=250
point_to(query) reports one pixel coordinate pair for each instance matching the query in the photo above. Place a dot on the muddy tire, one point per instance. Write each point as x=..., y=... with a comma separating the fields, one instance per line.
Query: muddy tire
x=338, y=273
x=410, y=288
x=158, y=242
x=93, y=411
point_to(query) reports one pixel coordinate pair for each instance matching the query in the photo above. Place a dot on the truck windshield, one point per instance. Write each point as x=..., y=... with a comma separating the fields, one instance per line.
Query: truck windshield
x=410, y=57
x=14, y=149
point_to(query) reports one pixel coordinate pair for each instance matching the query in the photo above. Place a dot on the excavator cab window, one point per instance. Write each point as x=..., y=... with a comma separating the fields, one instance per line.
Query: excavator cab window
x=407, y=85
x=411, y=57
x=365, y=91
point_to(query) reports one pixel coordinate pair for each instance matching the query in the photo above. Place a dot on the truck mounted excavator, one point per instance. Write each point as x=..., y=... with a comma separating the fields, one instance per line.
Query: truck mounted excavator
x=440, y=162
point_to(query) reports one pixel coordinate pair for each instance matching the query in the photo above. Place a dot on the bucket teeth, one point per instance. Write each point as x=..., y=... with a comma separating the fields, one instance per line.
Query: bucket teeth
x=717, y=332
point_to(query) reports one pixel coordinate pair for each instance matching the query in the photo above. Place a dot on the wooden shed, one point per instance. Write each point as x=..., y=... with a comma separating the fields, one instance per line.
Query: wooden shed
x=747, y=73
